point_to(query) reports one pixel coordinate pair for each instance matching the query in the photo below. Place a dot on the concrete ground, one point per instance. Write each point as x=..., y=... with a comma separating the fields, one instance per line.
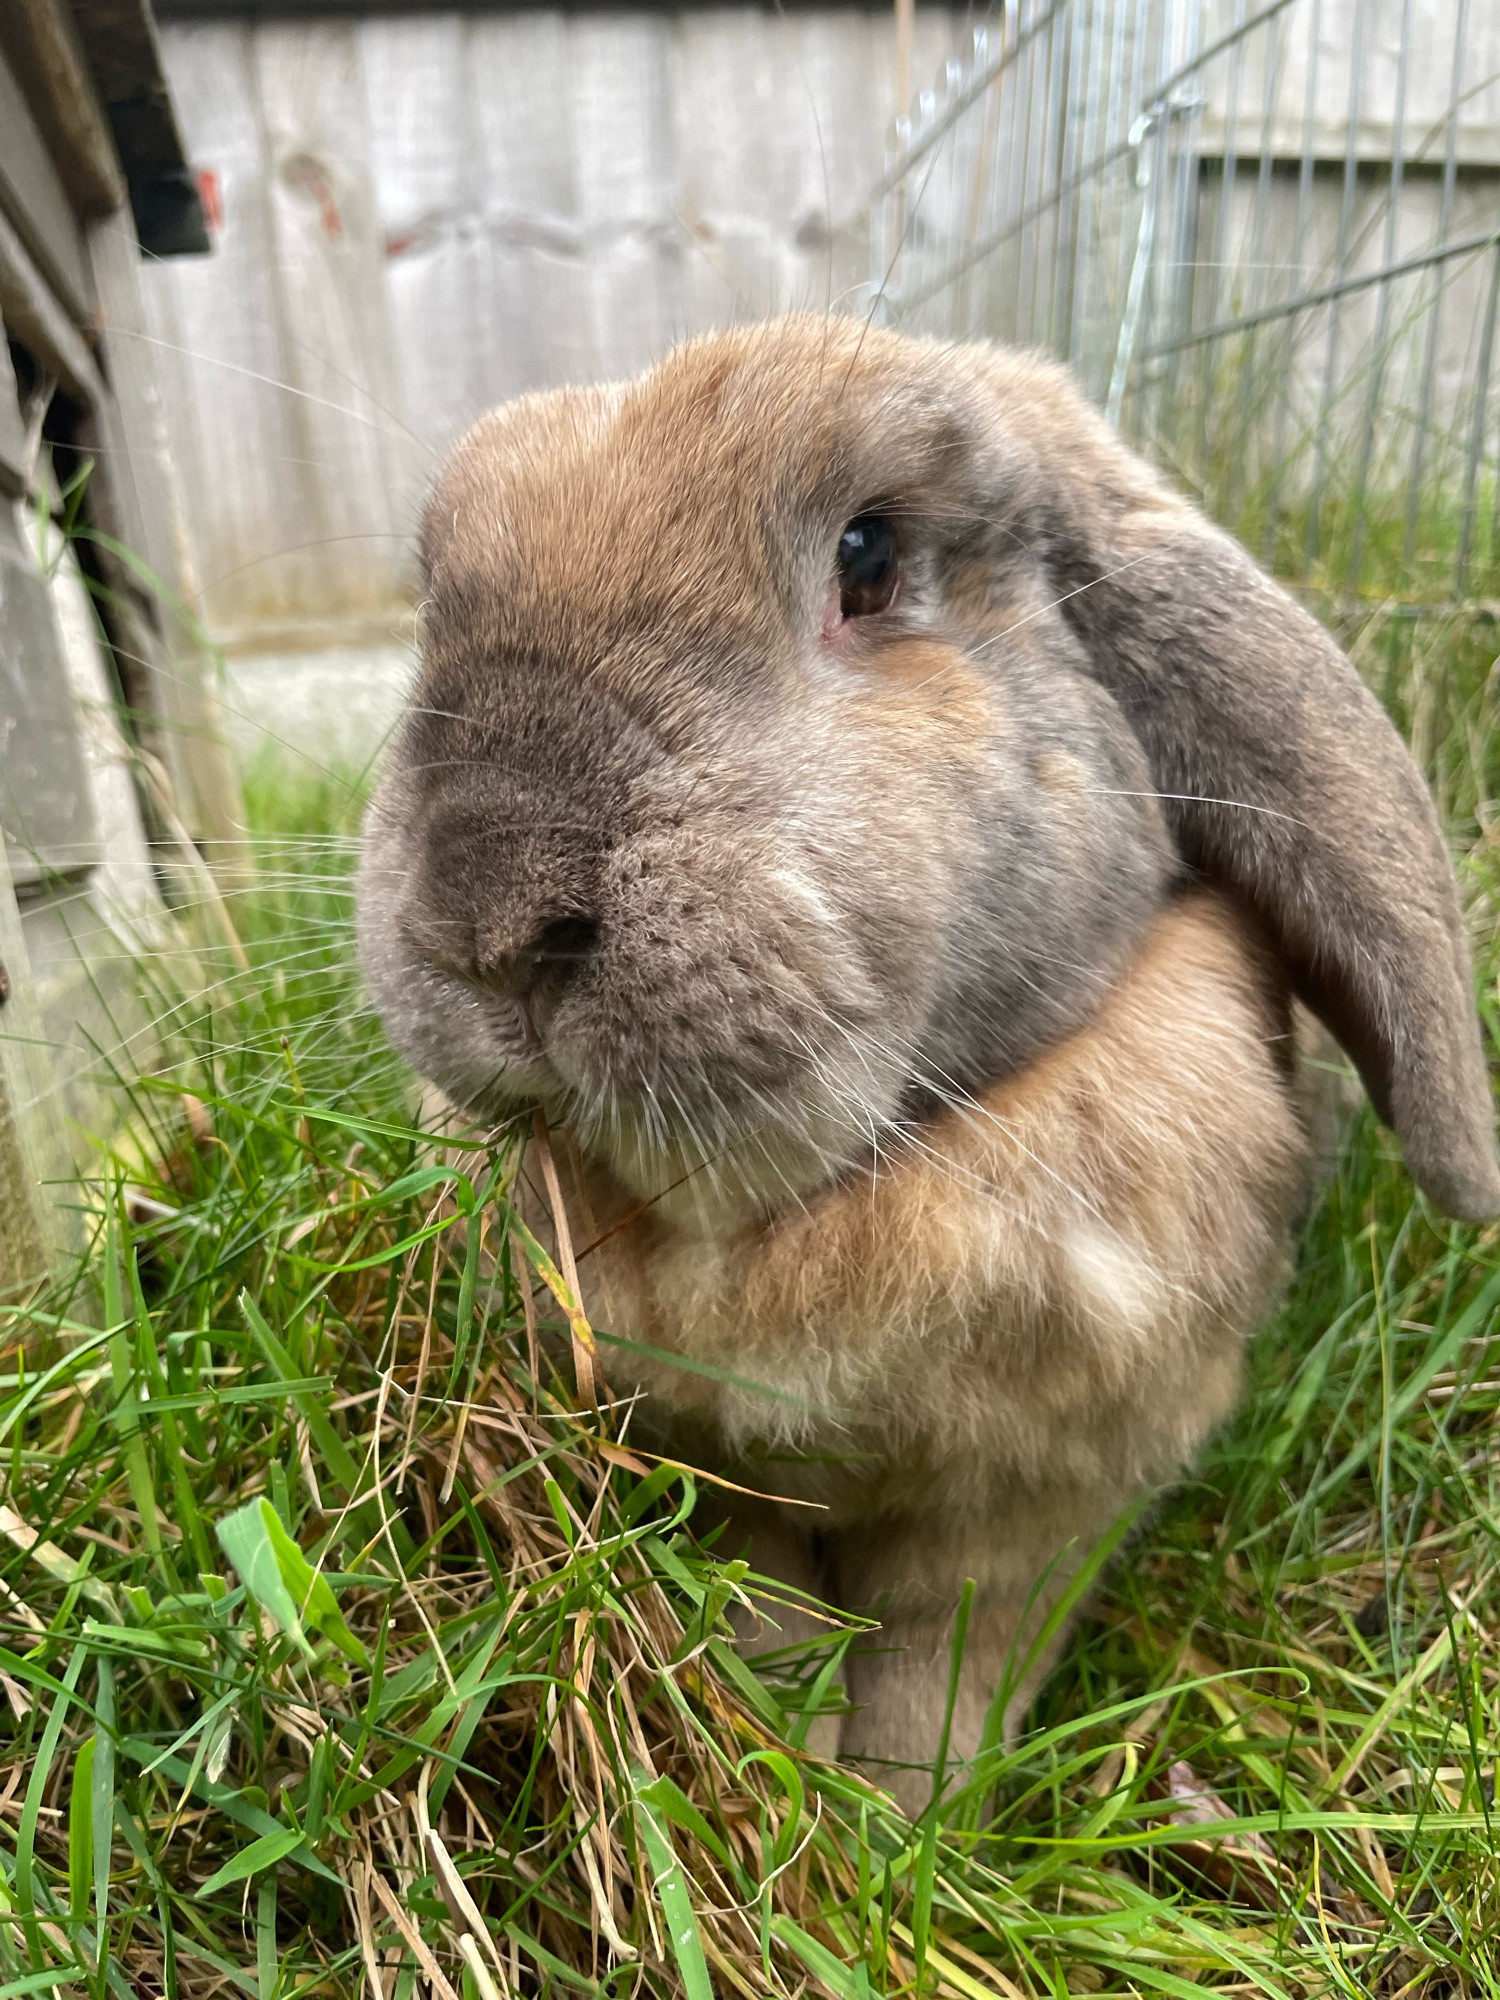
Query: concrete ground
x=332, y=709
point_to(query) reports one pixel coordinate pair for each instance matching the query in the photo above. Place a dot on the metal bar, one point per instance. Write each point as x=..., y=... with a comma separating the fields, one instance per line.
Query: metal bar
x=1335, y=319
x=1203, y=57
x=1326, y=294
x=1476, y=435
x=1183, y=252
x=1137, y=245
x=980, y=179
x=981, y=83
x=988, y=245
x=975, y=90
x=1103, y=100
x=1109, y=157
x=937, y=187
x=1038, y=114
x=1213, y=275
x=1383, y=308
x=1054, y=145
x=1107, y=92
x=1429, y=361
x=1046, y=234
x=1299, y=238
x=1153, y=385
x=1071, y=143
x=1270, y=94
x=1017, y=125
x=1135, y=294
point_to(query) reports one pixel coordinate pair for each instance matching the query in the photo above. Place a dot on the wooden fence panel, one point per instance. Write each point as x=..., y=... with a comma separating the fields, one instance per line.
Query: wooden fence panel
x=327, y=289
x=424, y=215
x=237, y=434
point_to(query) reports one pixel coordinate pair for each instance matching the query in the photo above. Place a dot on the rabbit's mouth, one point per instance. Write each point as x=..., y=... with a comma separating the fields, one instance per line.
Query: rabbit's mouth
x=704, y=1006
x=723, y=1111
x=730, y=1150
x=721, y=1127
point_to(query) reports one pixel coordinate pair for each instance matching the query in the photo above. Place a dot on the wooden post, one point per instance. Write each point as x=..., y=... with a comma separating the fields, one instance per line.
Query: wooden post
x=35, y=1229
x=137, y=497
x=905, y=23
x=78, y=897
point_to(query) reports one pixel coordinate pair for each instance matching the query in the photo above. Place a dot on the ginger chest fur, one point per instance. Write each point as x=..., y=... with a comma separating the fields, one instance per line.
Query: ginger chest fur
x=1053, y=1282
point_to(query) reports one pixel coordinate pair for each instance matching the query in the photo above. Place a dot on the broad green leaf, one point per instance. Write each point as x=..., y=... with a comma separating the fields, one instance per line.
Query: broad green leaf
x=102, y=1806
x=262, y=1853
x=246, y=1540
x=123, y=1377
x=311, y=1590
x=281, y=1579
x=364, y=1520
x=241, y=1807
x=267, y=1958
x=673, y=1803
x=649, y=1490
x=790, y=1779
x=336, y=1453
x=41, y=1770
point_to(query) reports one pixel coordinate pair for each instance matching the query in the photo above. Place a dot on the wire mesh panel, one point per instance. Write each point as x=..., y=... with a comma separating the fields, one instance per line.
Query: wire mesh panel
x=1267, y=238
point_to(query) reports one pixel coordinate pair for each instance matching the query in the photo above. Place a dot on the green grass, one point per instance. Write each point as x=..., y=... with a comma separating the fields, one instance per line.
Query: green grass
x=479, y=1730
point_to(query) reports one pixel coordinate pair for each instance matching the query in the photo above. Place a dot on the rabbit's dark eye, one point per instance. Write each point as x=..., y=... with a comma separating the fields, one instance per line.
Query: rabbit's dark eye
x=869, y=565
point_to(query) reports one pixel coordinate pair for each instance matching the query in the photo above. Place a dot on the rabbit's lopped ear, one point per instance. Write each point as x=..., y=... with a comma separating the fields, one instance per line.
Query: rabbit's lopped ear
x=1283, y=779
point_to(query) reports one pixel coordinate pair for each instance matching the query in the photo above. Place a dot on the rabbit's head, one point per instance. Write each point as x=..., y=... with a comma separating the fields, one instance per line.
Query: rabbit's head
x=805, y=735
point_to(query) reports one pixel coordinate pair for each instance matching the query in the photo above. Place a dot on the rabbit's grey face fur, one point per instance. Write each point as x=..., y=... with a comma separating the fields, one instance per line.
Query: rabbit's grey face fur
x=671, y=845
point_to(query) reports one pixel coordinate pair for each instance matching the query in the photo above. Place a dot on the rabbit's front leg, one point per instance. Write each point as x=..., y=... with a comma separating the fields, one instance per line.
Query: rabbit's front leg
x=1020, y=1552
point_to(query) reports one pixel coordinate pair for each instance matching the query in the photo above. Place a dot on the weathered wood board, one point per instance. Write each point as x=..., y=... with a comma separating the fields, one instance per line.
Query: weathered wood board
x=424, y=215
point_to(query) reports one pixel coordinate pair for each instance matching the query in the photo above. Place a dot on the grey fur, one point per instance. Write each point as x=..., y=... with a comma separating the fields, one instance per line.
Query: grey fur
x=809, y=930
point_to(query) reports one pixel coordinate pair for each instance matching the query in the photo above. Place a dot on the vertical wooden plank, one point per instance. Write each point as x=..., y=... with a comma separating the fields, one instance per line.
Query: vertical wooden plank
x=87, y=940
x=731, y=174
x=329, y=281
x=849, y=64
x=46, y=812
x=843, y=83
x=134, y=490
x=625, y=151
x=22, y=1252
x=42, y=41
x=430, y=204
x=535, y=287
x=123, y=886
x=34, y=1228
x=35, y=199
x=247, y=468
x=23, y=1247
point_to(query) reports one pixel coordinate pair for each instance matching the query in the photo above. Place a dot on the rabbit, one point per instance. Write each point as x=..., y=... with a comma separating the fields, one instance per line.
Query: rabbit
x=892, y=835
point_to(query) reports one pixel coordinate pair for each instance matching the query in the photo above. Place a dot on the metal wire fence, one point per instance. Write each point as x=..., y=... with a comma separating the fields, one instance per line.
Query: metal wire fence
x=1266, y=237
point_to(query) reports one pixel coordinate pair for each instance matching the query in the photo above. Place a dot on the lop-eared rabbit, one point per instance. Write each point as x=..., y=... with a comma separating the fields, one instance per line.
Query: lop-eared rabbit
x=889, y=830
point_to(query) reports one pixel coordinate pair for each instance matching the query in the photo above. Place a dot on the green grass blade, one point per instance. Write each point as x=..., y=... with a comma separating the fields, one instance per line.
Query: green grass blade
x=676, y=1904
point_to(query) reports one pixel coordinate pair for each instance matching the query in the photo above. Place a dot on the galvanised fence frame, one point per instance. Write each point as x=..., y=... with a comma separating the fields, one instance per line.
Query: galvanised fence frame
x=1268, y=240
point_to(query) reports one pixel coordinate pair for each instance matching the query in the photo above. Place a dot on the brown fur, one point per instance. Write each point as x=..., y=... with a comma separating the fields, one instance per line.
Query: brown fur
x=923, y=975
x=977, y=1351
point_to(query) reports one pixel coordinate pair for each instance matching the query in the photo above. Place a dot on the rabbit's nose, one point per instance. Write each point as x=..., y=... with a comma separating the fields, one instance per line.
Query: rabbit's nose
x=551, y=956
